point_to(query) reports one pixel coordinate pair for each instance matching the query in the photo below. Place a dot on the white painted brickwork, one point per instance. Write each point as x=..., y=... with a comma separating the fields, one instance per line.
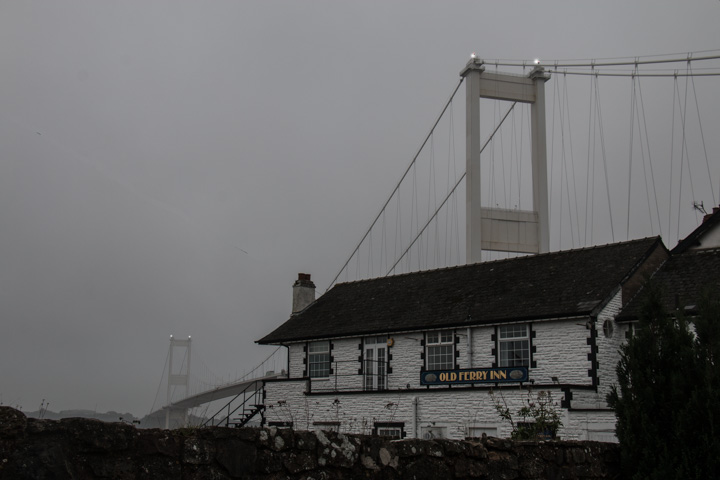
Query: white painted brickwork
x=287, y=402
x=345, y=366
x=455, y=410
x=483, y=346
x=562, y=352
x=461, y=348
x=597, y=426
x=296, y=356
x=406, y=362
x=609, y=347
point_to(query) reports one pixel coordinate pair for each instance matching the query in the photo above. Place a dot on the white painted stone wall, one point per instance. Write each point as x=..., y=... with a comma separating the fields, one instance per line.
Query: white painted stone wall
x=456, y=410
x=345, y=366
x=561, y=351
x=483, y=346
x=296, y=356
x=608, y=350
x=406, y=361
x=591, y=425
x=286, y=401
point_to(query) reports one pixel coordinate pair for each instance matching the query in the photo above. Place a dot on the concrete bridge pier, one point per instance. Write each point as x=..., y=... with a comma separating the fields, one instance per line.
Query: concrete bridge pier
x=175, y=417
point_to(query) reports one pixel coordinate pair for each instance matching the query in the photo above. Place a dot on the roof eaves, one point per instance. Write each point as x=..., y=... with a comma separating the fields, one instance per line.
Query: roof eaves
x=424, y=328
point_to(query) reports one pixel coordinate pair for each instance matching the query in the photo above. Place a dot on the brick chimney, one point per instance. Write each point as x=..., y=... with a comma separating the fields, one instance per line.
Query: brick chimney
x=303, y=292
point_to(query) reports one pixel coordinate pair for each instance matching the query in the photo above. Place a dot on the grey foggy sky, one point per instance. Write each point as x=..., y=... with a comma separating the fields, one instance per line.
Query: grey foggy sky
x=145, y=146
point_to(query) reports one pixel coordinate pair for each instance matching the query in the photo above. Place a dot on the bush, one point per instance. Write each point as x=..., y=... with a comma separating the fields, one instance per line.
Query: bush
x=537, y=419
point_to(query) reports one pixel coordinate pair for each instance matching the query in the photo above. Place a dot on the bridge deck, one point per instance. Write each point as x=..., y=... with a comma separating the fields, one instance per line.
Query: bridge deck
x=218, y=393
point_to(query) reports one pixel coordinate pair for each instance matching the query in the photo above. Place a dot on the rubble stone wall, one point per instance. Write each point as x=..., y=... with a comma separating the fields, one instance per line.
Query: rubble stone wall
x=89, y=449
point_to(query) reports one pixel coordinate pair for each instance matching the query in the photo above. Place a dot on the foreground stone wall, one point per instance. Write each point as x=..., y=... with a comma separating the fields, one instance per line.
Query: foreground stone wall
x=90, y=449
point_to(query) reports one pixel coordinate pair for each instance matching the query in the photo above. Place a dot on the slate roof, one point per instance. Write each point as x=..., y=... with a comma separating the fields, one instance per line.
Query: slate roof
x=551, y=285
x=682, y=279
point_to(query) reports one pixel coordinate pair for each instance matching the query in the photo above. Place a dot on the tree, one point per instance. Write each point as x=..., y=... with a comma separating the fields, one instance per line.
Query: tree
x=667, y=399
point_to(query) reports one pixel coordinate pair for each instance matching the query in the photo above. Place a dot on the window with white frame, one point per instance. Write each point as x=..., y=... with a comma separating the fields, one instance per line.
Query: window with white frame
x=375, y=363
x=319, y=359
x=440, y=350
x=389, y=429
x=514, y=346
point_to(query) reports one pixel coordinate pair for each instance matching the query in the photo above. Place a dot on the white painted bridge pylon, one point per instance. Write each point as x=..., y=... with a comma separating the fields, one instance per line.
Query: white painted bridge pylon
x=501, y=229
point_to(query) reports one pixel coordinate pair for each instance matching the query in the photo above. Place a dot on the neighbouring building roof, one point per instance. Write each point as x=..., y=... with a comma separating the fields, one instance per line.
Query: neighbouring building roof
x=693, y=267
x=682, y=279
x=695, y=240
x=552, y=285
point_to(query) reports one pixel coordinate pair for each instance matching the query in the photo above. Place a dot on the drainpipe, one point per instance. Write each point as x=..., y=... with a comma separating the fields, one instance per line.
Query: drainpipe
x=469, y=348
x=415, y=416
x=287, y=359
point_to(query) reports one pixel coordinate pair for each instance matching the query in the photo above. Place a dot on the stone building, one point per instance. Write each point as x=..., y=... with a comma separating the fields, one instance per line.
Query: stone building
x=417, y=355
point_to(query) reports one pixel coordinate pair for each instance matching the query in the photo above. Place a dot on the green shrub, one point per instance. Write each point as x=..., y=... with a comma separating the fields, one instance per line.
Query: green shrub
x=667, y=397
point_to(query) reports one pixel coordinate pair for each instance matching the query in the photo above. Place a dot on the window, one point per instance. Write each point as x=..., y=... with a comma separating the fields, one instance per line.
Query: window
x=440, y=350
x=280, y=424
x=326, y=426
x=477, y=431
x=608, y=328
x=319, y=359
x=391, y=429
x=430, y=432
x=375, y=363
x=514, y=346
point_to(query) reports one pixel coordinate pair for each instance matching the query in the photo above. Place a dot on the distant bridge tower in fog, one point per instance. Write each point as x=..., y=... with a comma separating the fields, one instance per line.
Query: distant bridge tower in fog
x=495, y=228
x=176, y=378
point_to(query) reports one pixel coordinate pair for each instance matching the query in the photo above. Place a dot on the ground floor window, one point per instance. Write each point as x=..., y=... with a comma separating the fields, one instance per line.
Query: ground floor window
x=281, y=424
x=430, y=432
x=394, y=430
x=477, y=431
x=327, y=426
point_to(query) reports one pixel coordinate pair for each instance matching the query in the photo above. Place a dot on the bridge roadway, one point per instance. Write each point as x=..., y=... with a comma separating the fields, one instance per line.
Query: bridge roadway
x=223, y=391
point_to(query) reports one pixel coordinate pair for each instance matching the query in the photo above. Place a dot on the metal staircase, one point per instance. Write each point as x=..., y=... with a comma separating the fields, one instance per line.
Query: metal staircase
x=242, y=408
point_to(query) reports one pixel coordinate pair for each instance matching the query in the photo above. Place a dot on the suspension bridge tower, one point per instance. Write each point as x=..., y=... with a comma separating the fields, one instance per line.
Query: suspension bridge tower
x=179, y=377
x=495, y=228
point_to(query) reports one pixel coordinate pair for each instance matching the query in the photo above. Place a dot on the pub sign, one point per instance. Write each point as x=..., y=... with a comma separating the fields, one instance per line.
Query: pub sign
x=474, y=375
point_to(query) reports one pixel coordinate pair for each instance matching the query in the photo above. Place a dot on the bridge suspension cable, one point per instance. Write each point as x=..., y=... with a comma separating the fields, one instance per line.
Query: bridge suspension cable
x=407, y=170
x=622, y=61
x=434, y=215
